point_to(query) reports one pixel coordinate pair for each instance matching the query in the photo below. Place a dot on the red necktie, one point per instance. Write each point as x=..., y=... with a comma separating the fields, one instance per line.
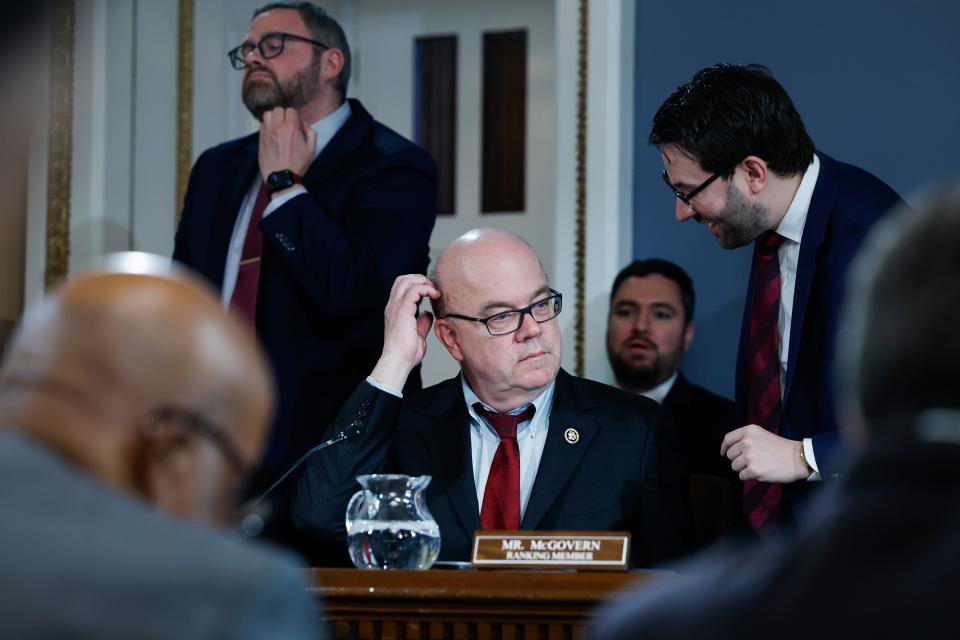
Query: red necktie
x=244, y=298
x=501, y=497
x=763, y=501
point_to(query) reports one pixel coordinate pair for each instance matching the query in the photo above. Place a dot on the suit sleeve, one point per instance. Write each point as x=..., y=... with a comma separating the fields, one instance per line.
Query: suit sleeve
x=346, y=264
x=282, y=608
x=328, y=479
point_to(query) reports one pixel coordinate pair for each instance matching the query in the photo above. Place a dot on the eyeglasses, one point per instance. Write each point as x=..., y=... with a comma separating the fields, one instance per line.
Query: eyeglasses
x=270, y=46
x=686, y=198
x=505, y=322
x=207, y=429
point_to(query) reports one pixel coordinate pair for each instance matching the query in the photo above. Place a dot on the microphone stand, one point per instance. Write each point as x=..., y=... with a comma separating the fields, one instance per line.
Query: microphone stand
x=252, y=523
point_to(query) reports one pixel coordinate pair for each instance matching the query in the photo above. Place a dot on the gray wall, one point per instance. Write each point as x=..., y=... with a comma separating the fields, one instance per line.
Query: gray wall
x=877, y=84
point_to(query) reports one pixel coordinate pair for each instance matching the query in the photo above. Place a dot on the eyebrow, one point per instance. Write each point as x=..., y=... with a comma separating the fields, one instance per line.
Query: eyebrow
x=656, y=304
x=542, y=292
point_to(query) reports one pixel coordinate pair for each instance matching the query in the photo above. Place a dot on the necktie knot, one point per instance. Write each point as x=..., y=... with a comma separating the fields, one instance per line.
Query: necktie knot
x=505, y=424
x=769, y=243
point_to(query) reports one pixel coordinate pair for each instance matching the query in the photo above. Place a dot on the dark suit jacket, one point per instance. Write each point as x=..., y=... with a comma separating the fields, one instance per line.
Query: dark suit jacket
x=846, y=202
x=329, y=260
x=616, y=477
x=877, y=557
x=701, y=419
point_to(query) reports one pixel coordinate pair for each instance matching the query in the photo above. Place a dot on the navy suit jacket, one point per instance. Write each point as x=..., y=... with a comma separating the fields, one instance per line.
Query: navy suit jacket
x=329, y=260
x=619, y=475
x=846, y=203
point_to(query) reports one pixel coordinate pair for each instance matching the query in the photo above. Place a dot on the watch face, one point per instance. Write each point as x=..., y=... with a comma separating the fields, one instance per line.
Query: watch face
x=280, y=180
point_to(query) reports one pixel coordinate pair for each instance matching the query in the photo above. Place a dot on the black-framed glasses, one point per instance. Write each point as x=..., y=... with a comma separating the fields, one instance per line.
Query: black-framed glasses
x=686, y=198
x=207, y=429
x=505, y=322
x=270, y=46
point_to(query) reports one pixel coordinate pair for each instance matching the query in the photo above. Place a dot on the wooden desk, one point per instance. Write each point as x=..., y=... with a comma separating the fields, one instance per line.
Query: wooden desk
x=467, y=604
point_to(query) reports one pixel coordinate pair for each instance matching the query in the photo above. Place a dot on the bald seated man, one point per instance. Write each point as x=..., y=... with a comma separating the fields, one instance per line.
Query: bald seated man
x=131, y=406
x=577, y=455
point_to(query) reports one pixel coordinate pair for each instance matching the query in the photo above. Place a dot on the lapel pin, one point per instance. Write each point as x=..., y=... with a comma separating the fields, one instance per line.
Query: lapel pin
x=571, y=435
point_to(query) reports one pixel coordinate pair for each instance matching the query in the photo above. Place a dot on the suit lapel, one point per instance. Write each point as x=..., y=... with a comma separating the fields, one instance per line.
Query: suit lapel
x=814, y=230
x=560, y=457
x=343, y=144
x=448, y=441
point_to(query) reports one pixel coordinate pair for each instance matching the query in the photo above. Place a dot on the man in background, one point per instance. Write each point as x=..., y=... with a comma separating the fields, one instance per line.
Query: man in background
x=738, y=159
x=304, y=225
x=878, y=557
x=649, y=328
x=131, y=404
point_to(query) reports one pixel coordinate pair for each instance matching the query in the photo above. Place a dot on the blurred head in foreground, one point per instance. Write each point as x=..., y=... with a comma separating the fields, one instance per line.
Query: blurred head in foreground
x=134, y=373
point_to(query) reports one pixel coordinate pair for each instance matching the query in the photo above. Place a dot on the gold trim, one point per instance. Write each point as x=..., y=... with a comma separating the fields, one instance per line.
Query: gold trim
x=581, y=180
x=60, y=144
x=184, y=100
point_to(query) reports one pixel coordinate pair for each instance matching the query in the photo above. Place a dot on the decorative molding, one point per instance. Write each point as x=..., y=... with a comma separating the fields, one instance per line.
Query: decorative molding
x=580, y=241
x=184, y=100
x=60, y=145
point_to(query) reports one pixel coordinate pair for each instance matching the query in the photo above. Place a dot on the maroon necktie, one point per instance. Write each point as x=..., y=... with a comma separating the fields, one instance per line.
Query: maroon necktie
x=501, y=497
x=763, y=501
x=244, y=298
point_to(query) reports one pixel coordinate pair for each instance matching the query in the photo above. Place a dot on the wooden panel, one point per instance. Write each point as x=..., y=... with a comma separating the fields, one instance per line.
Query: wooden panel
x=504, y=121
x=435, y=110
x=474, y=605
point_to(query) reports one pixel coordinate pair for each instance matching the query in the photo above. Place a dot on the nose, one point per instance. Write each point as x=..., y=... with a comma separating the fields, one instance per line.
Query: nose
x=684, y=211
x=642, y=322
x=529, y=328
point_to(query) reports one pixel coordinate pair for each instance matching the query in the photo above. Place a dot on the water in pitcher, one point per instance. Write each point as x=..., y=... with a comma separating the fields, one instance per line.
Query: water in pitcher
x=377, y=544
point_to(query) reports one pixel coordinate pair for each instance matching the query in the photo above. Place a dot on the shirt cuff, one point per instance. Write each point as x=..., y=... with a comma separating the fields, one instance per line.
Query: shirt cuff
x=383, y=387
x=276, y=203
x=811, y=459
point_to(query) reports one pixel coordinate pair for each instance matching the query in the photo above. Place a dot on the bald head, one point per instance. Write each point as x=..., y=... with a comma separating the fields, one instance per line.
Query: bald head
x=116, y=370
x=478, y=255
x=487, y=272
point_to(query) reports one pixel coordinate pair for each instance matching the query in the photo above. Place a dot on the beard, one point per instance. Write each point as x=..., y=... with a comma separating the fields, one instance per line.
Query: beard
x=643, y=377
x=265, y=93
x=741, y=222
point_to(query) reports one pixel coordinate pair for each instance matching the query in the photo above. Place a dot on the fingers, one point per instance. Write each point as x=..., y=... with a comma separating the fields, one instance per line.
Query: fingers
x=424, y=322
x=731, y=439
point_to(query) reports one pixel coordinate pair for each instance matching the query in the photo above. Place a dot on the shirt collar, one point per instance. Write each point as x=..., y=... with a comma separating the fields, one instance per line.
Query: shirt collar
x=328, y=126
x=542, y=404
x=659, y=392
x=791, y=227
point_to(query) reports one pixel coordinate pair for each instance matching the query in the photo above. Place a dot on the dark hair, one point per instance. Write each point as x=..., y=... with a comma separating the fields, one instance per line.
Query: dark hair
x=324, y=29
x=643, y=268
x=899, y=347
x=728, y=112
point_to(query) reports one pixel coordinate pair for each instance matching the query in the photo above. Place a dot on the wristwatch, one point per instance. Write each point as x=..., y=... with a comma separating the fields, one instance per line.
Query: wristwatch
x=283, y=179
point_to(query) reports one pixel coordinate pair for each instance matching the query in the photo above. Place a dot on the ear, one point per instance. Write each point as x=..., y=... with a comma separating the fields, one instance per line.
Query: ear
x=688, y=335
x=447, y=335
x=164, y=461
x=331, y=64
x=756, y=172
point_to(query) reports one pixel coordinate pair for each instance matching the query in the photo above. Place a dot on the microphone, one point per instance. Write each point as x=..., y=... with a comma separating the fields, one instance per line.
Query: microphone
x=252, y=523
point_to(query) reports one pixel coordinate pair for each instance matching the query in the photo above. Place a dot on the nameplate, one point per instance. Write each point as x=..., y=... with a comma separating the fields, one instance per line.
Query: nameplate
x=584, y=550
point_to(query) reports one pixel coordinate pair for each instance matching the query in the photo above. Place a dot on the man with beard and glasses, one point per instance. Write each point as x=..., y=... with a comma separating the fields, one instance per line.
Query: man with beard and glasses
x=649, y=328
x=304, y=225
x=738, y=159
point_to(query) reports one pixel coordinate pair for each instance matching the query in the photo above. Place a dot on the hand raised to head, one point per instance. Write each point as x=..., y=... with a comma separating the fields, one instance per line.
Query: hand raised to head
x=405, y=331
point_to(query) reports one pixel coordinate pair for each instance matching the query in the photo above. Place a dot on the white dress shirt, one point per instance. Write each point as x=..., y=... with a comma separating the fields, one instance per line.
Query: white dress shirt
x=659, y=392
x=531, y=437
x=326, y=128
x=791, y=228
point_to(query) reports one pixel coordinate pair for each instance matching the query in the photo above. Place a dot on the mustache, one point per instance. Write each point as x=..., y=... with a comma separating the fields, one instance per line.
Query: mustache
x=252, y=70
x=642, y=340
